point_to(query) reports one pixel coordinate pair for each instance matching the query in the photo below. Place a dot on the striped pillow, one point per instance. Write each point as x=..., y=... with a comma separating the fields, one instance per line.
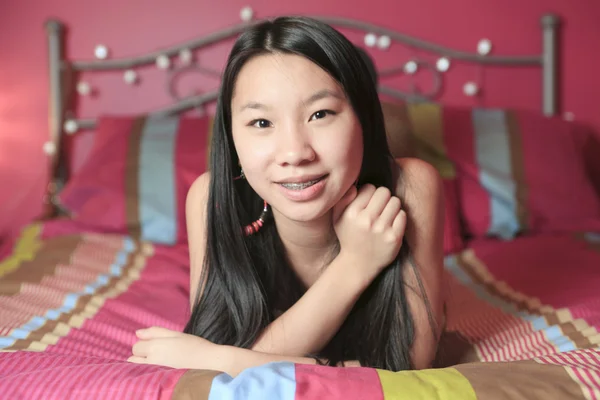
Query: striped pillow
x=137, y=175
x=517, y=171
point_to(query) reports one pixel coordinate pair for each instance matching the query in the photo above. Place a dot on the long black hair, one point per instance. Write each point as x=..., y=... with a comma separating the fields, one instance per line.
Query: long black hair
x=245, y=279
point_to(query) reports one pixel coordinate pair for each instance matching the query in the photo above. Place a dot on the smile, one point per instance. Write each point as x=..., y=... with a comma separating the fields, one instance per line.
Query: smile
x=304, y=188
x=301, y=185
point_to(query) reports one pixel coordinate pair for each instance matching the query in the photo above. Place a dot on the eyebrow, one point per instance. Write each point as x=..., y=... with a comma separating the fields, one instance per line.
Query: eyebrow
x=321, y=94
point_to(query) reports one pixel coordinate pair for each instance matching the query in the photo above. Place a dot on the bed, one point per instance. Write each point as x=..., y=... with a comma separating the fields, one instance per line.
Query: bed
x=522, y=247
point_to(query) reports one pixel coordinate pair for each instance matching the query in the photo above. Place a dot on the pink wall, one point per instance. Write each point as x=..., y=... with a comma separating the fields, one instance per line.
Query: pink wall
x=132, y=27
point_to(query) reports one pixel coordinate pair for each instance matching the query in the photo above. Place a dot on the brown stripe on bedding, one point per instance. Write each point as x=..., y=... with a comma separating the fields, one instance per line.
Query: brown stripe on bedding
x=517, y=167
x=578, y=331
x=131, y=178
x=194, y=385
x=86, y=307
x=44, y=264
x=520, y=380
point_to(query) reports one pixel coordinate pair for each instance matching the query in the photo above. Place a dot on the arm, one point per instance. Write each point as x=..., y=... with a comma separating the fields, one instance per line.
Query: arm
x=333, y=295
x=311, y=323
x=369, y=225
x=424, y=201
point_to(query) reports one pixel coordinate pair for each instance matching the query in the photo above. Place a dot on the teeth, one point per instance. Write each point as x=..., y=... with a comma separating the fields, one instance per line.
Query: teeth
x=299, y=186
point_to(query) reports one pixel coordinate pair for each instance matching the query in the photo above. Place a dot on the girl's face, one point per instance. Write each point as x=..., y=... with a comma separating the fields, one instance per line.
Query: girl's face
x=297, y=137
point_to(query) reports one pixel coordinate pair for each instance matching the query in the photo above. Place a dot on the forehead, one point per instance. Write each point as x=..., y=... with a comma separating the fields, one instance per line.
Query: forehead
x=275, y=76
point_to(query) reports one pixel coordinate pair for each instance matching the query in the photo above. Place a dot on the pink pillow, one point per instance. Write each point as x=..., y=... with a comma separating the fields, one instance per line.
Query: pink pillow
x=518, y=172
x=137, y=175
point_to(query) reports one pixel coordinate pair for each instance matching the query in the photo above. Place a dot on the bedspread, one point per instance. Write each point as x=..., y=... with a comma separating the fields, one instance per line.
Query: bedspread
x=522, y=324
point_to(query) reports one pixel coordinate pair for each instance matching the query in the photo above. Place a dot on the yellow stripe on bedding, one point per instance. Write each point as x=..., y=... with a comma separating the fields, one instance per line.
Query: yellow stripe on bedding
x=25, y=249
x=429, y=384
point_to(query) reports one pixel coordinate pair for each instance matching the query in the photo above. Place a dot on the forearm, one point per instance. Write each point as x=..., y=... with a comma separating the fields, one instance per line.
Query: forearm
x=311, y=323
x=238, y=359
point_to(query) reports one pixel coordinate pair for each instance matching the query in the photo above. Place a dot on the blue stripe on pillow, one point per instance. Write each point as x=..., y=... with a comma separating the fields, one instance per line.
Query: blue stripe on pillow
x=492, y=147
x=156, y=180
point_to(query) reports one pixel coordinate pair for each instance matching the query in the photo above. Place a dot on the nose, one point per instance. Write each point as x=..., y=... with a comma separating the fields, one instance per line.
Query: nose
x=294, y=147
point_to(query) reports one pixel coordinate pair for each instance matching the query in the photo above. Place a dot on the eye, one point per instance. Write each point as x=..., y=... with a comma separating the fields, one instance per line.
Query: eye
x=260, y=123
x=321, y=114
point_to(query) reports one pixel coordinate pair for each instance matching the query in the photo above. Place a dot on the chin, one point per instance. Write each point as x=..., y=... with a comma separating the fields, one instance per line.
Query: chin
x=303, y=212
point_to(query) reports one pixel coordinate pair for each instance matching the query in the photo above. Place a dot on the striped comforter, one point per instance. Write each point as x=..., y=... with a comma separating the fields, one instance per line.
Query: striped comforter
x=523, y=324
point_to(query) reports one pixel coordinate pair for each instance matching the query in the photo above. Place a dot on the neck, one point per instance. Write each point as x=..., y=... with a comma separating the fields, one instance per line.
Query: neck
x=309, y=245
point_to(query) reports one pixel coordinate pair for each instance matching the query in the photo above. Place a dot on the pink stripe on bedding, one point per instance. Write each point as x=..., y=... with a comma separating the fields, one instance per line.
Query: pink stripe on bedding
x=66, y=376
x=584, y=365
x=501, y=321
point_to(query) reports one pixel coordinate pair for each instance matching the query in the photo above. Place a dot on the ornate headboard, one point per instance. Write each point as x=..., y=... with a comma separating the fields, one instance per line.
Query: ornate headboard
x=63, y=72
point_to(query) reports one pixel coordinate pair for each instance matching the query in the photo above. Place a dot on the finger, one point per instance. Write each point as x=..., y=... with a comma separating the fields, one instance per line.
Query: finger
x=391, y=210
x=341, y=205
x=155, y=332
x=364, y=196
x=141, y=348
x=378, y=201
x=137, y=360
x=399, y=224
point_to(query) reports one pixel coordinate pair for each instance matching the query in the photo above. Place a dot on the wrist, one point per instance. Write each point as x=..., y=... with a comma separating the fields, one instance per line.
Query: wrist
x=224, y=356
x=354, y=270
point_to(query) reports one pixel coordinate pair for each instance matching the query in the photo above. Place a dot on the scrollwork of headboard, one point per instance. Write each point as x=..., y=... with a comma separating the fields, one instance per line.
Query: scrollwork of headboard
x=62, y=71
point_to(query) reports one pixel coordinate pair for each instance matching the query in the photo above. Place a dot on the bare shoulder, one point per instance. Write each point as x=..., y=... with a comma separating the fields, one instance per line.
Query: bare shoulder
x=195, y=215
x=198, y=189
x=419, y=184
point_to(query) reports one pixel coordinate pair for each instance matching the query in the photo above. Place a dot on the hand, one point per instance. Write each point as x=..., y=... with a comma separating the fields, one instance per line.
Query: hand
x=370, y=226
x=161, y=346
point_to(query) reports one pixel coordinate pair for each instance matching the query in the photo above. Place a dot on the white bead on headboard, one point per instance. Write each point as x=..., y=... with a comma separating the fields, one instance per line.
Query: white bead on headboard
x=410, y=67
x=470, y=89
x=163, y=62
x=49, y=148
x=484, y=47
x=101, y=52
x=186, y=57
x=246, y=14
x=130, y=77
x=384, y=42
x=442, y=64
x=70, y=126
x=370, y=39
x=84, y=88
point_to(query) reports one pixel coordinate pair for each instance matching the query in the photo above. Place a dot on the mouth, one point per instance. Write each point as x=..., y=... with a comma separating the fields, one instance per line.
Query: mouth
x=301, y=185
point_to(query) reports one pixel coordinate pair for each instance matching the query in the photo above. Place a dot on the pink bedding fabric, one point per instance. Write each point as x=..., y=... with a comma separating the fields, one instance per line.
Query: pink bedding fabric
x=71, y=300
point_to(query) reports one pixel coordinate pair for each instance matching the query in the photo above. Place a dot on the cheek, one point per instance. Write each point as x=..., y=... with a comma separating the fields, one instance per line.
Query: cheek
x=347, y=150
x=254, y=155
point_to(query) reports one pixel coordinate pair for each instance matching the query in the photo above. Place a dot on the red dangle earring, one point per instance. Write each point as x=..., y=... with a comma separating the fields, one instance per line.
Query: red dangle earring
x=255, y=226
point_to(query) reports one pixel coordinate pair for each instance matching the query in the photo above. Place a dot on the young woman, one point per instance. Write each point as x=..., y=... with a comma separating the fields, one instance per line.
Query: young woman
x=308, y=242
